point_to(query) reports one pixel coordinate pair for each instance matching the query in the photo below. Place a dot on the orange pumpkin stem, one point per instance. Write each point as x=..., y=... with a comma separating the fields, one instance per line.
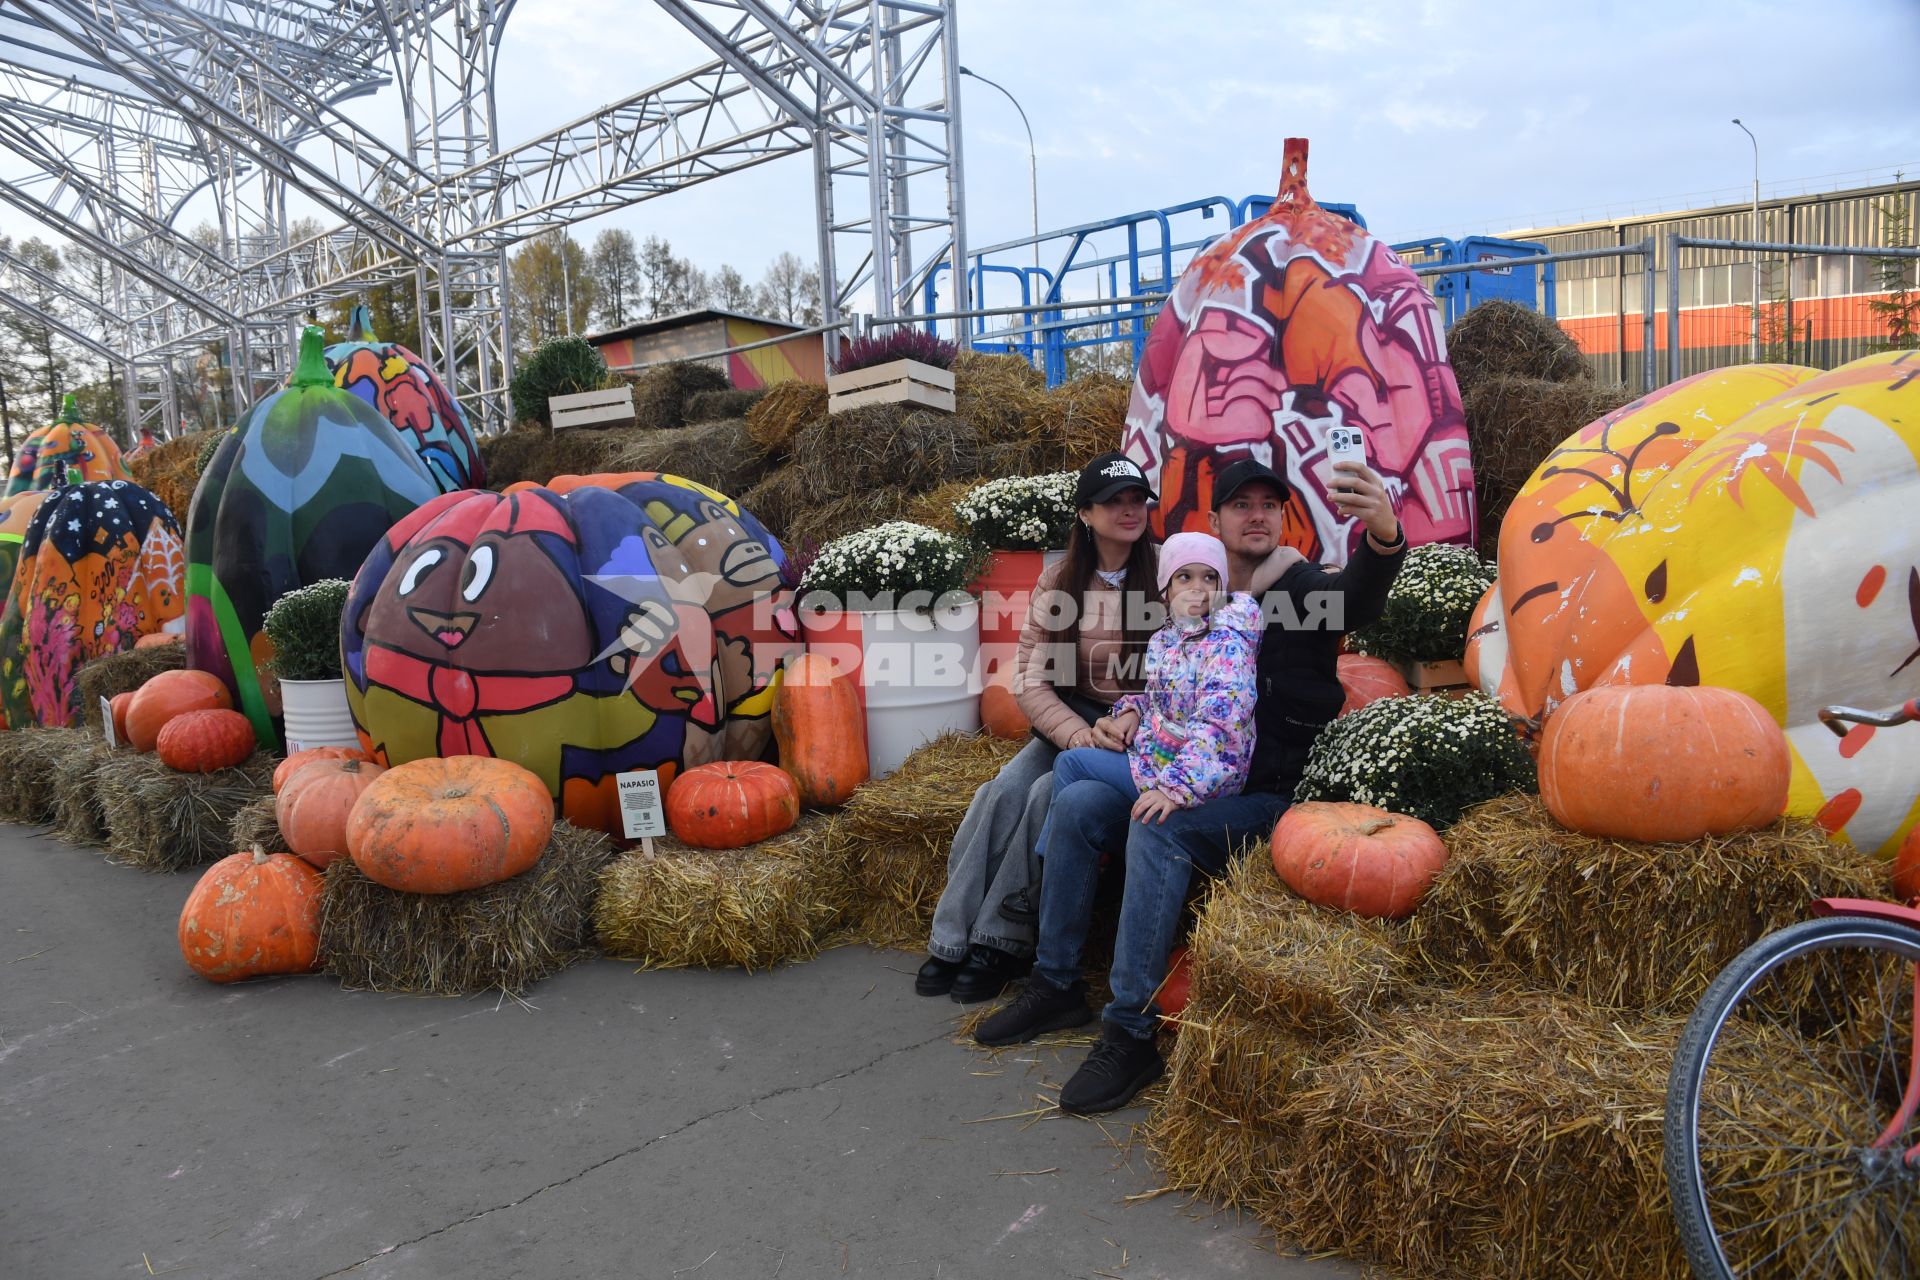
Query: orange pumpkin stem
x=1293, y=174
x=1378, y=825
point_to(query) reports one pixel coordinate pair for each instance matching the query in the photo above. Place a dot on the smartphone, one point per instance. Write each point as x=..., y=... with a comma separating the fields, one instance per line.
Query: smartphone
x=1346, y=444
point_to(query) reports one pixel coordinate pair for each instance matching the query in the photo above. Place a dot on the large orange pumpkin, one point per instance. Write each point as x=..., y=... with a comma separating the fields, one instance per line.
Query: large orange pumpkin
x=1369, y=680
x=1000, y=712
x=821, y=732
x=443, y=825
x=315, y=803
x=300, y=759
x=732, y=804
x=1357, y=858
x=1663, y=762
x=203, y=741
x=252, y=914
x=167, y=695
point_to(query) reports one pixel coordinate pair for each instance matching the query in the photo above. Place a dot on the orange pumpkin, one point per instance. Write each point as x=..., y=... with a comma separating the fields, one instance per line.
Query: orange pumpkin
x=1369, y=680
x=732, y=804
x=1177, y=988
x=1357, y=858
x=252, y=914
x=167, y=695
x=1000, y=712
x=316, y=801
x=821, y=732
x=299, y=759
x=1906, y=868
x=119, y=705
x=443, y=825
x=158, y=640
x=204, y=741
x=1663, y=762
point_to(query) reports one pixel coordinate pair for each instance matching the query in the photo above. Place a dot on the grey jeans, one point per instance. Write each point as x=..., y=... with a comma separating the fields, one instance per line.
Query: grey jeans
x=994, y=855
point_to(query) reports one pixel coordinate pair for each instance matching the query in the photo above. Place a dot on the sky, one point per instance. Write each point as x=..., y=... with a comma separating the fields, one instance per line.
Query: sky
x=1435, y=118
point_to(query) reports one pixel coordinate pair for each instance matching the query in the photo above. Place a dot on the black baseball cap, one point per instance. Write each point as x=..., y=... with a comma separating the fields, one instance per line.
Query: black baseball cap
x=1109, y=475
x=1239, y=475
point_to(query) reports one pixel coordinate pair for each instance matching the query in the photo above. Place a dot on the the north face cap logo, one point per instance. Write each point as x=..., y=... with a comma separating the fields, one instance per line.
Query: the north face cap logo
x=1122, y=468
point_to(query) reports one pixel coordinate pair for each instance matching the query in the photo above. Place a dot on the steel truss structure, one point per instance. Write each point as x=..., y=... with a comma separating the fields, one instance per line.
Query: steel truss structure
x=117, y=113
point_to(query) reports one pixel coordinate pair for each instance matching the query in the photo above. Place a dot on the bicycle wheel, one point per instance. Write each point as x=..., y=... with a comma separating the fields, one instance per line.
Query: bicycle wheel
x=1791, y=1067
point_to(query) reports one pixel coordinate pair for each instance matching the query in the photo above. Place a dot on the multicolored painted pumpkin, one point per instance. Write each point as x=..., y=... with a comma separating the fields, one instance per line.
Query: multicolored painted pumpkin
x=635, y=624
x=1749, y=529
x=441, y=826
x=732, y=804
x=400, y=386
x=100, y=566
x=66, y=444
x=302, y=489
x=251, y=915
x=204, y=741
x=1294, y=323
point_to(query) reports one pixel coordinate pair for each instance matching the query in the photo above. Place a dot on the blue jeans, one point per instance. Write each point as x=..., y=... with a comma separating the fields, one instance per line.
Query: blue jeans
x=1088, y=764
x=1088, y=816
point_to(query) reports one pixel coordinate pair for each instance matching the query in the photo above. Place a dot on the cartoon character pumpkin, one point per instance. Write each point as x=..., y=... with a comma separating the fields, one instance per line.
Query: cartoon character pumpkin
x=403, y=390
x=1295, y=323
x=67, y=443
x=1751, y=529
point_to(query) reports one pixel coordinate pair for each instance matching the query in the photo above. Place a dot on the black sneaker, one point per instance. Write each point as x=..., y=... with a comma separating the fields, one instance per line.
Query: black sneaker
x=936, y=976
x=1039, y=1008
x=1118, y=1066
x=1019, y=907
x=987, y=973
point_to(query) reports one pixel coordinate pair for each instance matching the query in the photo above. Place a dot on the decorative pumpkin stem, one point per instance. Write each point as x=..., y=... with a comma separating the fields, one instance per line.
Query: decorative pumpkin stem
x=69, y=408
x=259, y=855
x=1378, y=825
x=75, y=475
x=312, y=370
x=360, y=324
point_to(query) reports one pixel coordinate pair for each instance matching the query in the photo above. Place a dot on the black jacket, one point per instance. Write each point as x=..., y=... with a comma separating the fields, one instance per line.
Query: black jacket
x=1299, y=681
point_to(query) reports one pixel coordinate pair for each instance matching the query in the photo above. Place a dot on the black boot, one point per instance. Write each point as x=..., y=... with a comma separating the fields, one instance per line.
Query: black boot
x=987, y=973
x=1039, y=1008
x=1019, y=907
x=936, y=976
x=1118, y=1066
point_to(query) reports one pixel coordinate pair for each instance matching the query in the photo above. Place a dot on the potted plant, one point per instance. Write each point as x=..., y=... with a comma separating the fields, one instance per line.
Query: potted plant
x=903, y=364
x=1022, y=522
x=304, y=626
x=1423, y=628
x=888, y=606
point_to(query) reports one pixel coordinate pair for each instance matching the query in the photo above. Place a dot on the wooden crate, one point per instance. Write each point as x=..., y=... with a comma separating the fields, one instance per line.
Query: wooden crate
x=610, y=408
x=1436, y=677
x=897, y=380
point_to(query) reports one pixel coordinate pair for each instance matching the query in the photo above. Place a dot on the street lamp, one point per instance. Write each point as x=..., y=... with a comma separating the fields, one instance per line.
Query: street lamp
x=1033, y=163
x=1755, y=356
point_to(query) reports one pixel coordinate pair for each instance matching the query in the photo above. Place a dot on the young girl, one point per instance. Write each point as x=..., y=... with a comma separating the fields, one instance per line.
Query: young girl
x=1194, y=738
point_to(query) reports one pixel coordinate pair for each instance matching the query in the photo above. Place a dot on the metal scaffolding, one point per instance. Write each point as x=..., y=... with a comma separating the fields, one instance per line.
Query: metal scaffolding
x=118, y=113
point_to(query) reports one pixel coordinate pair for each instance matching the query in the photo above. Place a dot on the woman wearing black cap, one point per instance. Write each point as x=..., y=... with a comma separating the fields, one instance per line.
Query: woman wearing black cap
x=1081, y=647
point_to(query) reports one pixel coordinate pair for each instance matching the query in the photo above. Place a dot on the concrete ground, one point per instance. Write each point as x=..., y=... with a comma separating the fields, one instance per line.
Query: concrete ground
x=814, y=1121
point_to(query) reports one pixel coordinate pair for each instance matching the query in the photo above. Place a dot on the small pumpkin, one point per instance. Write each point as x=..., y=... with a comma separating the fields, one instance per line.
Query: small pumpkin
x=1906, y=868
x=205, y=741
x=118, y=708
x=159, y=640
x=442, y=825
x=1368, y=680
x=732, y=804
x=1357, y=858
x=251, y=915
x=1000, y=712
x=820, y=730
x=299, y=759
x=316, y=802
x=1178, y=987
x=167, y=695
x=1663, y=762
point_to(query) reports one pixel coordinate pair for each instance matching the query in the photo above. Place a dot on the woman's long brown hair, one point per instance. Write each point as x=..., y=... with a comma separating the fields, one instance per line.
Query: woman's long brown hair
x=1138, y=599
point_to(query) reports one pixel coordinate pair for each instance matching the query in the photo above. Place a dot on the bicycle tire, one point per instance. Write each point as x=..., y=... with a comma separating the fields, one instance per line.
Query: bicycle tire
x=1681, y=1158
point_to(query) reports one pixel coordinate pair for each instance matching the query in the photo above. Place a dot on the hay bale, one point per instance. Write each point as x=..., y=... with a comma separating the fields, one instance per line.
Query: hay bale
x=783, y=413
x=79, y=810
x=899, y=830
x=935, y=508
x=818, y=523
x=660, y=394
x=1513, y=423
x=884, y=446
x=711, y=406
x=27, y=757
x=776, y=502
x=117, y=673
x=754, y=907
x=1621, y=924
x=257, y=825
x=1504, y=339
x=534, y=453
x=171, y=471
x=1073, y=424
x=716, y=454
x=162, y=820
x=997, y=393
x=504, y=936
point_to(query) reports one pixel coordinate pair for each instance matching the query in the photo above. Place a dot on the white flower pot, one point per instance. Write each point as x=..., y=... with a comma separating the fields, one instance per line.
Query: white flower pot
x=917, y=673
x=316, y=714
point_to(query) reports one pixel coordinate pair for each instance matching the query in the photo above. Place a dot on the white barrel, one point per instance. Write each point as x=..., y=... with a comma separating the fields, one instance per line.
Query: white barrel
x=317, y=714
x=919, y=676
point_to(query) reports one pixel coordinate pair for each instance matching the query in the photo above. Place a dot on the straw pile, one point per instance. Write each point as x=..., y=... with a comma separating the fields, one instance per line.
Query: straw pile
x=884, y=446
x=786, y=410
x=1514, y=422
x=505, y=936
x=754, y=907
x=712, y=406
x=171, y=471
x=997, y=394
x=79, y=810
x=26, y=776
x=899, y=831
x=1624, y=925
x=778, y=503
x=123, y=672
x=1073, y=424
x=1502, y=339
x=257, y=826
x=161, y=820
x=935, y=508
x=660, y=394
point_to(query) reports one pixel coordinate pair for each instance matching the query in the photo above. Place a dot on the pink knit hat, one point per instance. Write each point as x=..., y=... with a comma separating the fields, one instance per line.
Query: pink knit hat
x=1192, y=548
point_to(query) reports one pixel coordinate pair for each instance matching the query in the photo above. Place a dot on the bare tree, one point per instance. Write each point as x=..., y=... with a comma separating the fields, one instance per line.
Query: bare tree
x=616, y=278
x=731, y=292
x=790, y=291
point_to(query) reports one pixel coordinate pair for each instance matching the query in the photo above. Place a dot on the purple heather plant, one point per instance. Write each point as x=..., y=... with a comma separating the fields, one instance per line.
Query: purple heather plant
x=901, y=342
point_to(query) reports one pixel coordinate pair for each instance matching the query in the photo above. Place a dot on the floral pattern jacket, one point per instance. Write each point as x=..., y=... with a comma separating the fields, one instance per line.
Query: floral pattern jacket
x=1196, y=737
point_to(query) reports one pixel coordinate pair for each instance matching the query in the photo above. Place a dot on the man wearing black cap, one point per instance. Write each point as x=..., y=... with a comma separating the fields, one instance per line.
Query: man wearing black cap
x=1307, y=608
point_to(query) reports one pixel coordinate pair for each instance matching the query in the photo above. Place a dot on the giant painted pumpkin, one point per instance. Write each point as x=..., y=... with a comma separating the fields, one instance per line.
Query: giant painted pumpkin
x=100, y=566
x=406, y=393
x=579, y=634
x=16, y=514
x=302, y=489
x=1751, y=529
x=1294, y=323
x=47, y=455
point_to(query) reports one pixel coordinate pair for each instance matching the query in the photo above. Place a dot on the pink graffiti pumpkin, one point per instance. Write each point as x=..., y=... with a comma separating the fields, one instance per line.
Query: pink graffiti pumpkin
x=1295, y=323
